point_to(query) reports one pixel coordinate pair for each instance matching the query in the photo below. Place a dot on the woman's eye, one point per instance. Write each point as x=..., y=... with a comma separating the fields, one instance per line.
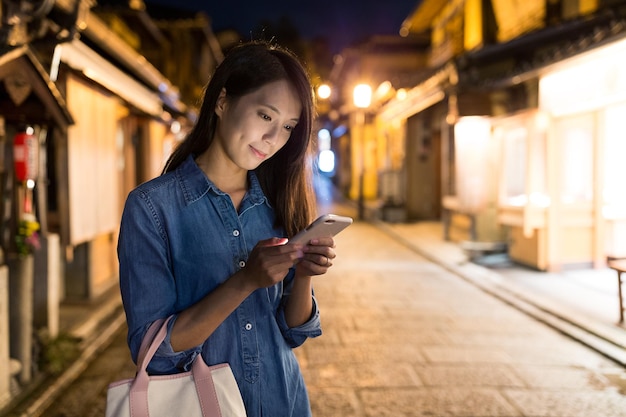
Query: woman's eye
x=289, y=128
x=265, y=117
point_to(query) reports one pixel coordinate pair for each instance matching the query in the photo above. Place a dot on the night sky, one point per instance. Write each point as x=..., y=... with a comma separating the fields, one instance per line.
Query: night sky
x=342, y=22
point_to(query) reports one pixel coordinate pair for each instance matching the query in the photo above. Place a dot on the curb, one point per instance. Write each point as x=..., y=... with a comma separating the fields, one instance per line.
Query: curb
x=96, y=333
x=609, y=342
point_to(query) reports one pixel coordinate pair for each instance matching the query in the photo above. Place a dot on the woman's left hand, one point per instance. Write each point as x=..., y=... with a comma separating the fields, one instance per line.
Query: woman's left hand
x=318, y=257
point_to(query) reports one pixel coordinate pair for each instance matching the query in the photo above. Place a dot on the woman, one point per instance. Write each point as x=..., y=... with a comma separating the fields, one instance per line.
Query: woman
x=206, y=242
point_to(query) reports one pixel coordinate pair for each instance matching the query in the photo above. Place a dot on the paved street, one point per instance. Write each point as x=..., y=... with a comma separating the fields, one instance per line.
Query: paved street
x=405, y=337
x=86, y=397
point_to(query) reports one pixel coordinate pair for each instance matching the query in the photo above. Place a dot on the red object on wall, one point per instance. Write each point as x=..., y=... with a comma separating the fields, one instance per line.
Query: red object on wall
x=25, y=156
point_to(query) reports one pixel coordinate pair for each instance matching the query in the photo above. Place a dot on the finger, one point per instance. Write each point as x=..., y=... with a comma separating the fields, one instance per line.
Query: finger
x=274, y=259
x=319, y=260
x=323, y=241
x=276, y=247
x=307, y=267
x=275, y=241
x=320, y=250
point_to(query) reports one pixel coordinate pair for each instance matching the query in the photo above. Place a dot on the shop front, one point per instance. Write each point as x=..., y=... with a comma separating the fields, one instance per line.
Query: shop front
x=561, y=194
x=116, y=142
x=33, y=112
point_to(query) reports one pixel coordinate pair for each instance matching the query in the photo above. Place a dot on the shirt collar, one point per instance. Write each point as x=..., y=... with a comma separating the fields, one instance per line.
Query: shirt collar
x=195, y=183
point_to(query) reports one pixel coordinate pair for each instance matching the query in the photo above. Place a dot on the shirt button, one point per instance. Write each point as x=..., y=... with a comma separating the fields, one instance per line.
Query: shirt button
x=248, y=326
x=242, y=264
x=235, y=233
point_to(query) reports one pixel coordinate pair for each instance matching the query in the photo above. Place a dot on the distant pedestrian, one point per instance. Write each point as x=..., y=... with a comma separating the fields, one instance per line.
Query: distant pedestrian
x=205, y=241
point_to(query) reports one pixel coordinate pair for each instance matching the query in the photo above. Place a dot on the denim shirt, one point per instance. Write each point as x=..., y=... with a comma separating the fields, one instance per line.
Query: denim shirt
x=180, y=237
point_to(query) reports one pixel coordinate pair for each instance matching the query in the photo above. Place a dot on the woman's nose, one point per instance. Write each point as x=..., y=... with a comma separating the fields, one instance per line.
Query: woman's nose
x=271, y=134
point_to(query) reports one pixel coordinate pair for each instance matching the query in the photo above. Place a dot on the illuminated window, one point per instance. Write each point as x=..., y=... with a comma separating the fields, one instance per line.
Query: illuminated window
x=323, y=140
x=523, y=140
x=575, y=139
x=614, y=167
x=515, y=165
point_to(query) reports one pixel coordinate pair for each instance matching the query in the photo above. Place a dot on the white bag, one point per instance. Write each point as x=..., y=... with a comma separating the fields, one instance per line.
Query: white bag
x=205, y=391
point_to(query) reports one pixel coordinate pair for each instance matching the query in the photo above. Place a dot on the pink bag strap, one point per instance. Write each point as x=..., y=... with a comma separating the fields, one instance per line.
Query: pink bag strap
x=205, y=388
x=203, y=380
x=152, y=338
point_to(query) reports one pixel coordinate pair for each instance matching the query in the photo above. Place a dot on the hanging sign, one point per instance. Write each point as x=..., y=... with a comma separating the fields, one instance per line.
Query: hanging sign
x=25, y=156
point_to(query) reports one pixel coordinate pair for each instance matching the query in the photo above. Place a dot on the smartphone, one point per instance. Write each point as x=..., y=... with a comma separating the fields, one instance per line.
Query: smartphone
x=327, y=225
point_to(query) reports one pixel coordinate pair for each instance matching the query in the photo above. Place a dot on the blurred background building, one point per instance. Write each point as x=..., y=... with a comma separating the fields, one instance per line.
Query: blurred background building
x=511, y=134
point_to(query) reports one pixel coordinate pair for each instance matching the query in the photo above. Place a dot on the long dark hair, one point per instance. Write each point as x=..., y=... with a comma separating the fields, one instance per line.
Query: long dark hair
x=286, y=176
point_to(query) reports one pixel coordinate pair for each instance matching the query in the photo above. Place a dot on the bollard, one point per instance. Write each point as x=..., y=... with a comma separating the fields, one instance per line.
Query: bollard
x=54, y=283
x=21, y=311
x=5, y=374
x=47, y=286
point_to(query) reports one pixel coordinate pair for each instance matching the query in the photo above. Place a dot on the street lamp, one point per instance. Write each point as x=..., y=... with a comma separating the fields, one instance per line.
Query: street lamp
x=362, y=98
x=323, y=102
x=324, y=91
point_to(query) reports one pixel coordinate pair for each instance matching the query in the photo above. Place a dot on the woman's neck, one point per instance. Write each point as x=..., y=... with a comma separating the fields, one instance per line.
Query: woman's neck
x=226, y=176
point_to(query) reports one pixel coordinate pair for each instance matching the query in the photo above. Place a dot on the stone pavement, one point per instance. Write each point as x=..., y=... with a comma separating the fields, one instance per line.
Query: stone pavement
x=404, y=336
x=582, y=303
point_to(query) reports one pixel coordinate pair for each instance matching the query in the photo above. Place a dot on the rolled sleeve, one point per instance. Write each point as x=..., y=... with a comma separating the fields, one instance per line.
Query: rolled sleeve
x=296, y=336
x=165, y=358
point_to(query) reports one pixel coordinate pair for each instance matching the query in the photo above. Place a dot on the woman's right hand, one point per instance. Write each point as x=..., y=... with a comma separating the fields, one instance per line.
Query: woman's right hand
x=269, y=262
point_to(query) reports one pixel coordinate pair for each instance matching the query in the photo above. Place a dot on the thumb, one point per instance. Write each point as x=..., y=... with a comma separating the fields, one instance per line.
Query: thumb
x=275, y=241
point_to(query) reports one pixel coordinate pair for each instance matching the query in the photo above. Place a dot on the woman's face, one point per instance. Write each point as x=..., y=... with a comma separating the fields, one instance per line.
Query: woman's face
x=254, y=127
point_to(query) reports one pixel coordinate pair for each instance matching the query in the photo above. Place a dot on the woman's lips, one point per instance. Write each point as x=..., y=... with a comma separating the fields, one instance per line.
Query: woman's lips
x=258, y=153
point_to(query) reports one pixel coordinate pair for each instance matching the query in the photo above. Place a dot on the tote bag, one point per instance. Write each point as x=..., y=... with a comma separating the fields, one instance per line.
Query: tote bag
x=205, y=391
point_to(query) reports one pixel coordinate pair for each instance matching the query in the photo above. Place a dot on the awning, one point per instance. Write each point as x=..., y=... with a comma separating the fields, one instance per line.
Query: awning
x=82, y=58
x=511, y=63
x=426, y=94
x=23, y=74
x=421, y=18
x=98, y=32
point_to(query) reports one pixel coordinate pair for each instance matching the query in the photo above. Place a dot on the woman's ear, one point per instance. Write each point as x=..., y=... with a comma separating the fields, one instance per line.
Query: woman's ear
x=220, y=103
